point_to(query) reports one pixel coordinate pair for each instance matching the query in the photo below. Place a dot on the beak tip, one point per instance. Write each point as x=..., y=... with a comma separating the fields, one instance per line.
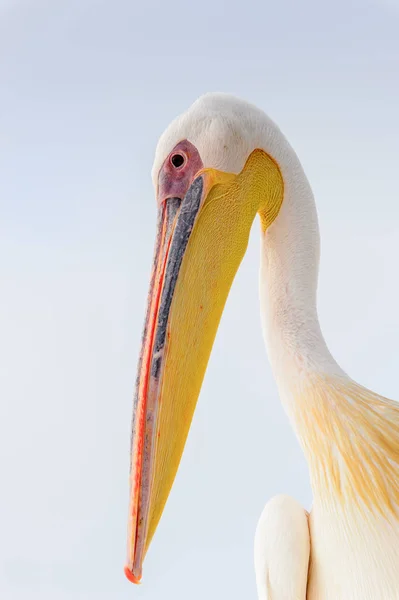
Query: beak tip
x=132, y=578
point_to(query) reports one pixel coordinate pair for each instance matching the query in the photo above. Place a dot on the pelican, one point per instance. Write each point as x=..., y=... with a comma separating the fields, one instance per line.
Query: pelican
x=216, y=167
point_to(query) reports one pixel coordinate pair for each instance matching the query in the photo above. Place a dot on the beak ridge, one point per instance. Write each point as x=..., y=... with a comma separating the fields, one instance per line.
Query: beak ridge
x=174, y=229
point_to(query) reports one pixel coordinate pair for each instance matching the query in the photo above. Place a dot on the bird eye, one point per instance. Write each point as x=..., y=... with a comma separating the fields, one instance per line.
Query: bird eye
x=177, y=160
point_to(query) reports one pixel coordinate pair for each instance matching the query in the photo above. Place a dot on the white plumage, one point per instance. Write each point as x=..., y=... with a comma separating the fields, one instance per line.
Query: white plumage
x=282, y=549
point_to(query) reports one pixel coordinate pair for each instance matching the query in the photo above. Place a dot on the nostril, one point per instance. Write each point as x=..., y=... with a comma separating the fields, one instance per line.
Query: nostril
x=177, y=160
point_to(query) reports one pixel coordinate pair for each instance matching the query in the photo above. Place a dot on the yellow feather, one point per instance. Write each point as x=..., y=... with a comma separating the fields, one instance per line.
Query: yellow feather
x=351, y=439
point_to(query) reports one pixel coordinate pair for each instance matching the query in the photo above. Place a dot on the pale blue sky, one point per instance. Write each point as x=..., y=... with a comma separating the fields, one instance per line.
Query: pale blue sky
x=86, y=88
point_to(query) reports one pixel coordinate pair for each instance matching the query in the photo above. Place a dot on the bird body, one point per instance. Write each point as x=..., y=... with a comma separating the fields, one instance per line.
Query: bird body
x=347, y=548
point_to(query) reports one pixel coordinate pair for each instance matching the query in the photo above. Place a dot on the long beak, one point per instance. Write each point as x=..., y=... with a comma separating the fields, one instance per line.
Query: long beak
x=199, y=246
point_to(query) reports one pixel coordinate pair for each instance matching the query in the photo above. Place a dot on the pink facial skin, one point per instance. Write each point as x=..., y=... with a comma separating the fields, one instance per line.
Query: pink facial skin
x=174, y=180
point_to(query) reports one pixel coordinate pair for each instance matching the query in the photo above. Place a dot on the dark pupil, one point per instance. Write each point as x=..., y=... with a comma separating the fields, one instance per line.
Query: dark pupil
x=177, y=160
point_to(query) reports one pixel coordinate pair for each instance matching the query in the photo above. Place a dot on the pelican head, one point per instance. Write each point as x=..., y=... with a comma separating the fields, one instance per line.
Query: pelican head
x=215, y=168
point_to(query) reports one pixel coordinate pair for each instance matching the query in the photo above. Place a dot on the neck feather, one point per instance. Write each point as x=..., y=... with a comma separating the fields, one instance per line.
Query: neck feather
x=339, y=423
x=288, y=282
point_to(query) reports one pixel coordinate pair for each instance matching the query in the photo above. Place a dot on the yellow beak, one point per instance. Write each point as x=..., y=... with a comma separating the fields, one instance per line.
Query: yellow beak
x=199, y=246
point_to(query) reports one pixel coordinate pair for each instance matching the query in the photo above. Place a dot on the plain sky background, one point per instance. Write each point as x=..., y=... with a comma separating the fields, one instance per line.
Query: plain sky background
x=86, y=88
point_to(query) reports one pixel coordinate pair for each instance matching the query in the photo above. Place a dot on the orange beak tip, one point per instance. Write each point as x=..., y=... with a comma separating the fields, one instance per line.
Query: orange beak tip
x=132, y=577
